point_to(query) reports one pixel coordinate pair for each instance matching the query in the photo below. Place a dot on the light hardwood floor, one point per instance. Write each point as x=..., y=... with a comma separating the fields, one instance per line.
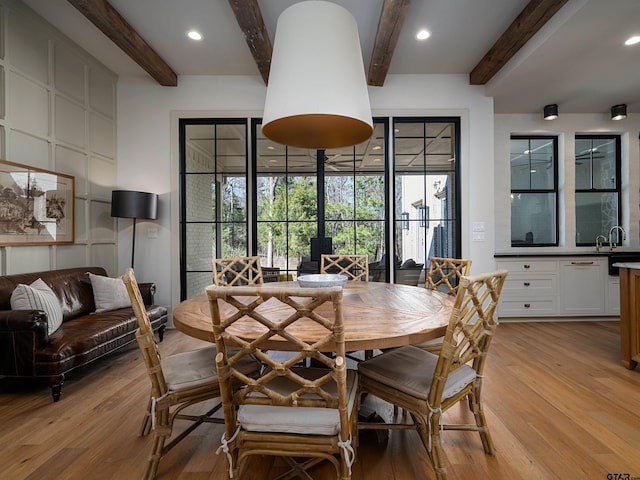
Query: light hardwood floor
x=558, y=401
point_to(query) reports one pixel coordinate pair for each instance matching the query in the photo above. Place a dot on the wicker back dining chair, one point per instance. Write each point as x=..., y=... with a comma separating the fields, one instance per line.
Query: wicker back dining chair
x=444, y=273
x=427, y=385
x=177, y=382
x=289, y=410
x=237, y=271
x=356, y=267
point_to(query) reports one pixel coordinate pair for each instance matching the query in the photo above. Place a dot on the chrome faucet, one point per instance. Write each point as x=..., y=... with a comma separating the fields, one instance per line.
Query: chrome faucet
x=599, y=240
x=612, y=244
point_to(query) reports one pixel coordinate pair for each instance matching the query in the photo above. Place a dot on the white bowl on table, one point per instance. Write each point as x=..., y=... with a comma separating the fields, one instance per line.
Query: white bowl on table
x=317, y=280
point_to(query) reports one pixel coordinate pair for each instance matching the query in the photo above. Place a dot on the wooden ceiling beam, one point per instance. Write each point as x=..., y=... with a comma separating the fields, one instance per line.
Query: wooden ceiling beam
x=532, y=18
x=114, y=26
x=389, y=27
x=249, y=18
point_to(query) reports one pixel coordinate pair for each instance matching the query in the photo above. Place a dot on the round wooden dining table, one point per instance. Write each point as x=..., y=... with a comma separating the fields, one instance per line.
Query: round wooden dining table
x=376, y=316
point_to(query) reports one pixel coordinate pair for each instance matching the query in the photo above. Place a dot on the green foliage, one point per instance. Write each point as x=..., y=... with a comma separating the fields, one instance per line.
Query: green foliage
x=288, y=211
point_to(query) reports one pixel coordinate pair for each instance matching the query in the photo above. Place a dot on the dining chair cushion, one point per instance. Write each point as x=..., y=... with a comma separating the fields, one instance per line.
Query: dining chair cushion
x=309, y=420
x=434, y=342
x=410, y=370
x=189, y=369
x=195, y=367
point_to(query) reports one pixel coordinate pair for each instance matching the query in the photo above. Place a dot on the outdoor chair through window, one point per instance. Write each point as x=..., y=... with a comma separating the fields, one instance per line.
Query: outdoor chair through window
x=356, y=267
x=178, y=381
x=288, y=411
x=237, y=271
x=427, y=385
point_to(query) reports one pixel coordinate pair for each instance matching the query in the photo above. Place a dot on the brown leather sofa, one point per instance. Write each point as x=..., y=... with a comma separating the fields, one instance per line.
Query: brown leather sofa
x=27, y=350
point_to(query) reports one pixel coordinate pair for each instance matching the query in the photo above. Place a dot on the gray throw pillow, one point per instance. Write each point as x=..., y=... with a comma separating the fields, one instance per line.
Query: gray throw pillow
x=109, y=293
x=38, y=296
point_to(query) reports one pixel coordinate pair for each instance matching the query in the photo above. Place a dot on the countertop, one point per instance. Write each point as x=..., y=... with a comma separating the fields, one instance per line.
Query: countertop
x=584, y=253
x=632, y=265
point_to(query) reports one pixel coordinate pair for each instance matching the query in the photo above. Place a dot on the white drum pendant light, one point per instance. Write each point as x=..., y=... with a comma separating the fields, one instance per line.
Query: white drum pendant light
x=317, y=94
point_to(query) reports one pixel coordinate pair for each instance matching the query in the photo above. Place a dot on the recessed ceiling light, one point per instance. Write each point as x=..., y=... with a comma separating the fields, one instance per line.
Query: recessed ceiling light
x=271, y=147
x=632, y=40
x=377, y=147
x=423, y=34
x=194, y=35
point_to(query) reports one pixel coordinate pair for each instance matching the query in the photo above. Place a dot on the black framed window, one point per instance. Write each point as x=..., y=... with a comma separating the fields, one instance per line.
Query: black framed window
x=597, y=192
x=242, y=194
x=304, y=194
x=213, y=197
x=426, y=181
x=534, y=191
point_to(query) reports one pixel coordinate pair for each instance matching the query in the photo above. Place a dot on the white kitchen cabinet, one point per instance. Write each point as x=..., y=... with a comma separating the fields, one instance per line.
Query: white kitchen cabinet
x=613, y=296
x=563, y=286
x=530, y=289
x=583, y=286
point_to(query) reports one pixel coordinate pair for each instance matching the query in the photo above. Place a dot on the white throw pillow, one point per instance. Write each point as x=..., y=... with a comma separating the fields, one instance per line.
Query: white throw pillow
x=38, y=296
x=109, y=293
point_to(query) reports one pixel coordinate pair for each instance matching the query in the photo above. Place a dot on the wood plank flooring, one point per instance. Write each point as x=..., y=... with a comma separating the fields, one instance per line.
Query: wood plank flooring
x=558, y=401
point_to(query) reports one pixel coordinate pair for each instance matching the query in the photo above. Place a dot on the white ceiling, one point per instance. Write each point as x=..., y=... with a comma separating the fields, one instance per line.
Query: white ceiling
x=576, y=60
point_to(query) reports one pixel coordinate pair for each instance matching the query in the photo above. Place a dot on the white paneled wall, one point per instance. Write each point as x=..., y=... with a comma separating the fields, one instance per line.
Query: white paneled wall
x=58, y=112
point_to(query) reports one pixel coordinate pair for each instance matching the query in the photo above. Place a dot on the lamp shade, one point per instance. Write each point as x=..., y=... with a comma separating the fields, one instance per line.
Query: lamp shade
x=132, y=204
x=317, y=95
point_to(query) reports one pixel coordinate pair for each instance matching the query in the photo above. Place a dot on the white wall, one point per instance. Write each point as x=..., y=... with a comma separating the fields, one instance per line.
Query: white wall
x=148, y=151
x=566, y=126
x=58, y=112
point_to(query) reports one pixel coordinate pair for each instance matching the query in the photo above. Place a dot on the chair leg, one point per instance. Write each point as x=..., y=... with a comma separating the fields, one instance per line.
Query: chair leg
x=161, y=433
x=145, y=428
x=154, y=457
x=481, y=422
x=429, y=431
x=437, y=453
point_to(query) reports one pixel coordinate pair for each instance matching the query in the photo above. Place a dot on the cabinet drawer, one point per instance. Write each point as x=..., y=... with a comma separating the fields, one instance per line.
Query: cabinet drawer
x=526, y=308
x=527, y=286
x=529, y=266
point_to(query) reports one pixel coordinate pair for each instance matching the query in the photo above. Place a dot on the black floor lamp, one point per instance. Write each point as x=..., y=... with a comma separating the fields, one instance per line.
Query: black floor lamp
x=132, y=204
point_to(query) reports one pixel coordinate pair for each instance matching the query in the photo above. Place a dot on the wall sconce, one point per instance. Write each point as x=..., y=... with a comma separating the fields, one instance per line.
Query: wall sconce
x=618, y=112
x=551, y=111
x=317, y=95
x=404, y=220
x=131, y=204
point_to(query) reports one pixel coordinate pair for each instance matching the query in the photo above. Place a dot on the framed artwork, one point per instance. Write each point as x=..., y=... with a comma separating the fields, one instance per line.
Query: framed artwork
x=36, y=206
